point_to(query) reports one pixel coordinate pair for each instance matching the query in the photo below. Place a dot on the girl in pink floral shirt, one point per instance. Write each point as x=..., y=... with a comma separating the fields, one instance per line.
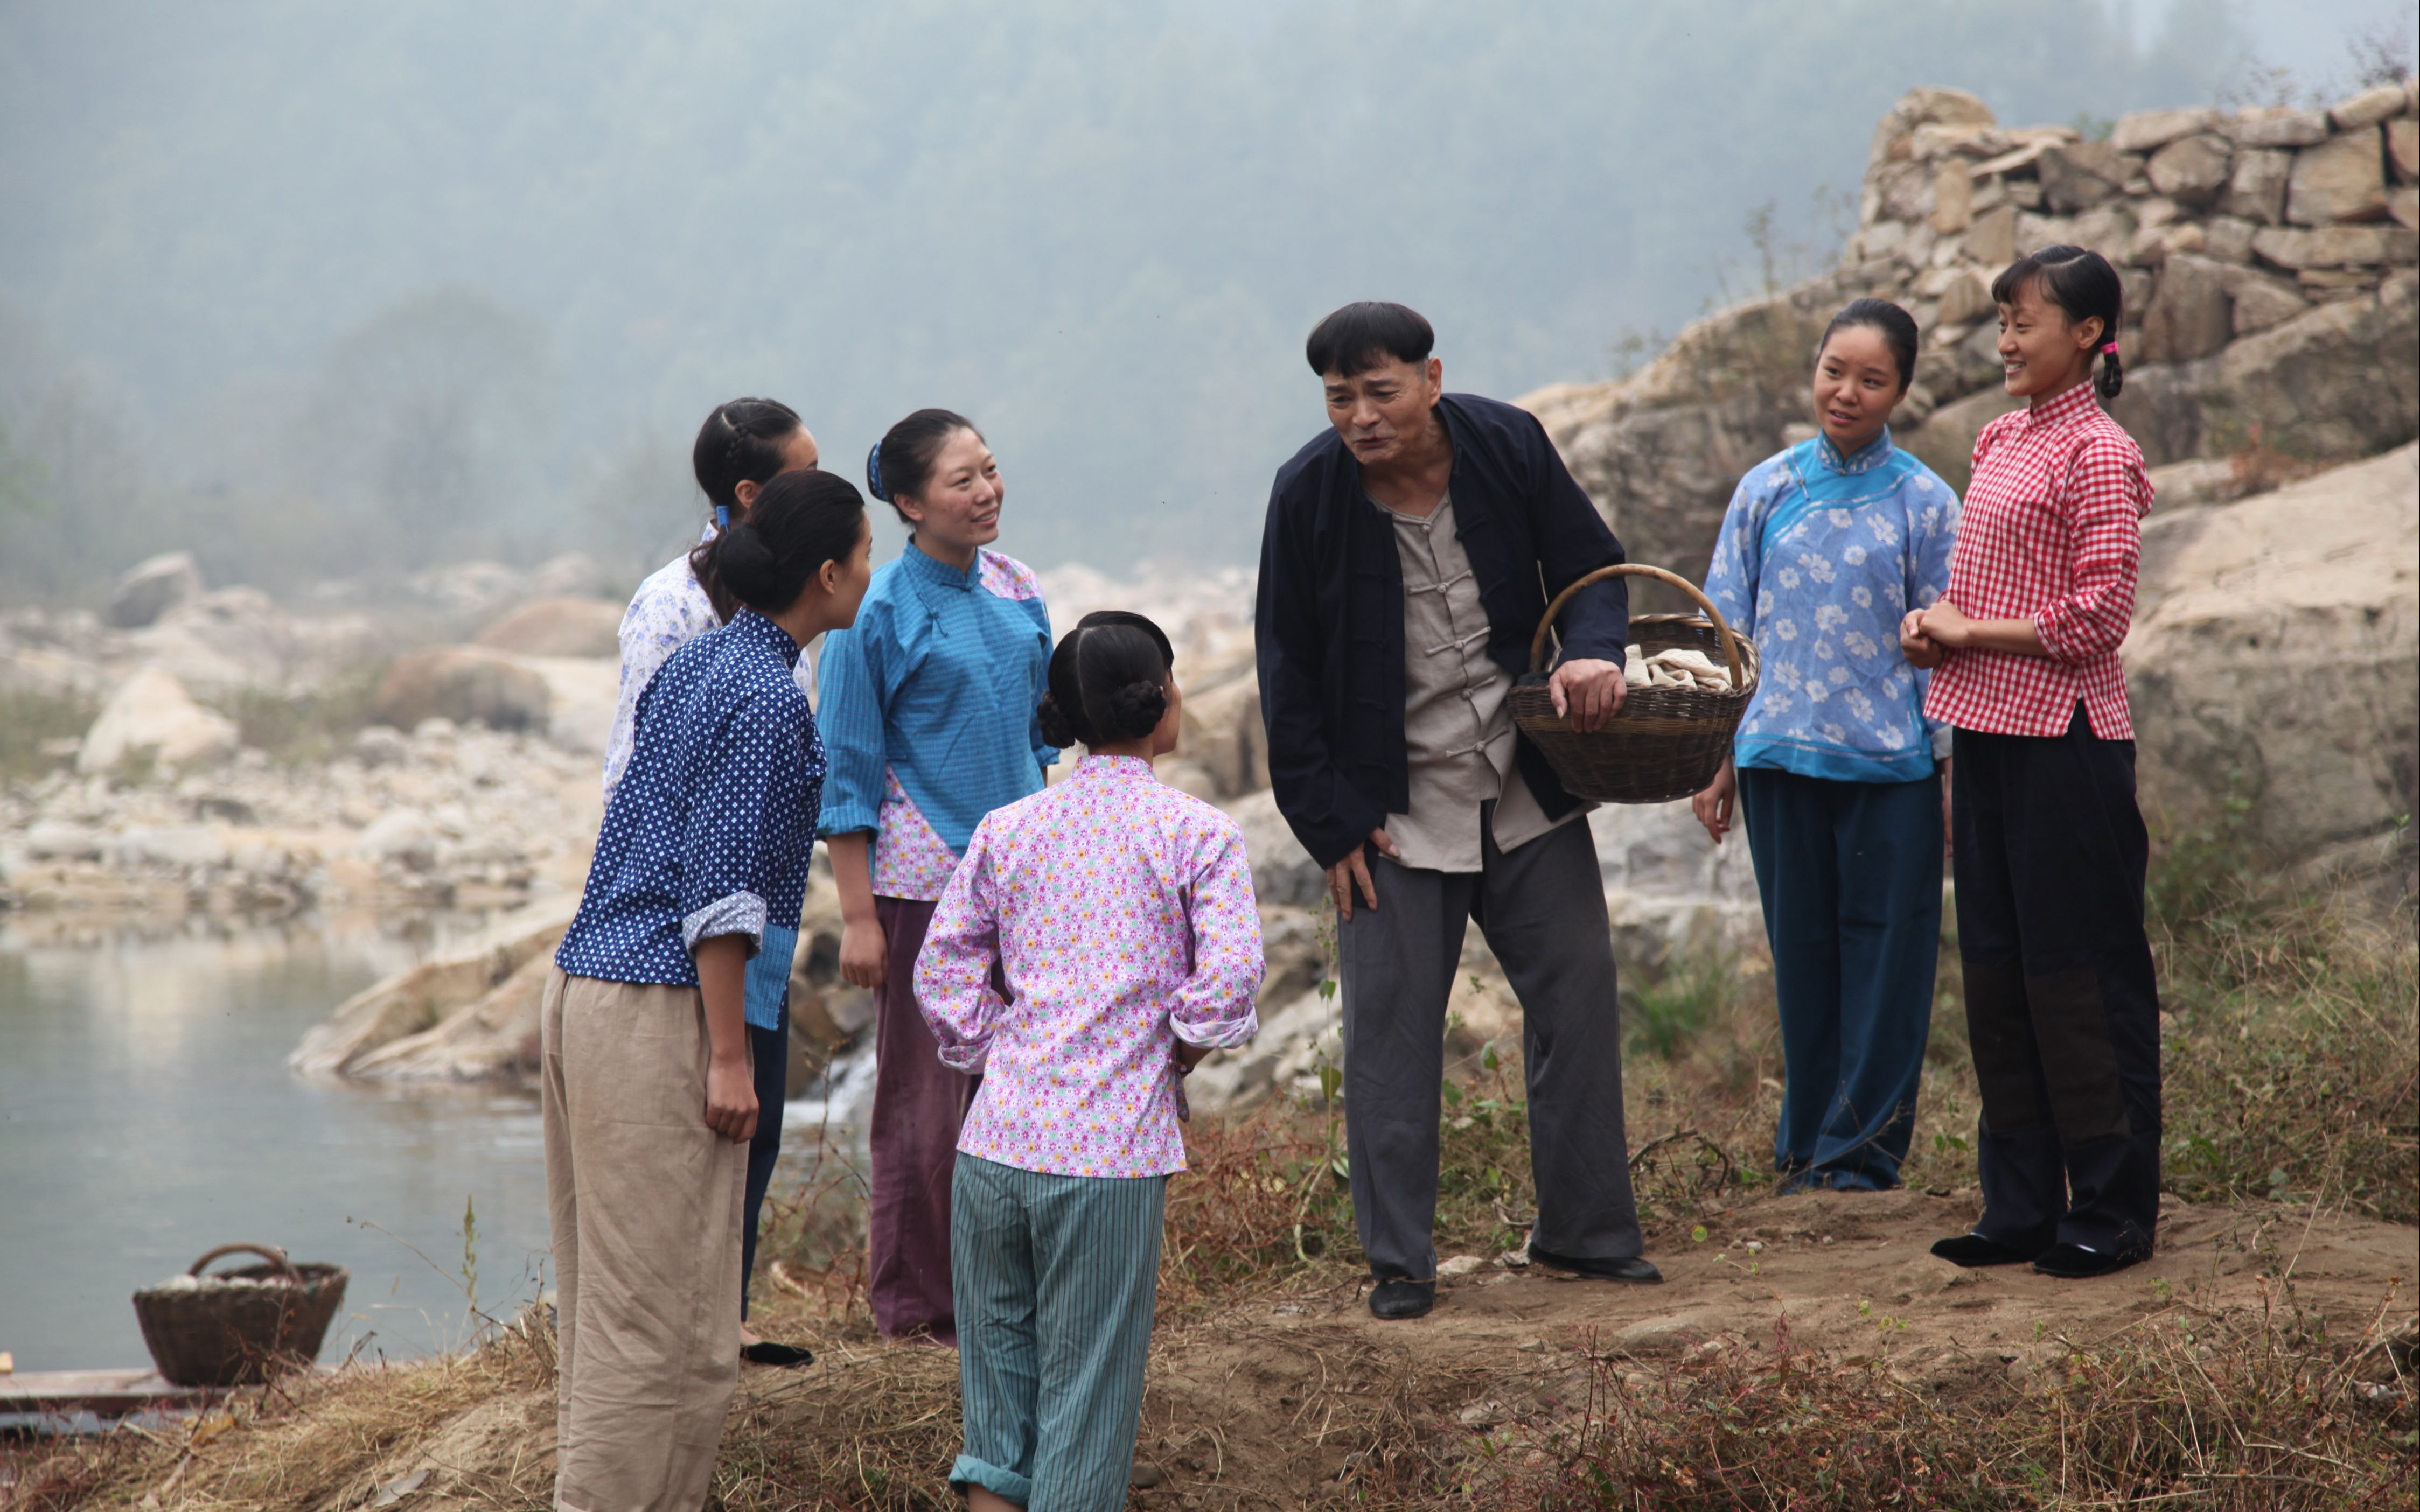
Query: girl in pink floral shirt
x=1121, y=915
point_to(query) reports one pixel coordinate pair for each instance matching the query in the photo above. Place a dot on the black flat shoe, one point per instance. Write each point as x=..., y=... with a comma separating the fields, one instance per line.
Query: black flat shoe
x=768, y=1352
x=1400, y=1299
x=1630, y=1267
x=1974, y=1251
x=2073, y=1262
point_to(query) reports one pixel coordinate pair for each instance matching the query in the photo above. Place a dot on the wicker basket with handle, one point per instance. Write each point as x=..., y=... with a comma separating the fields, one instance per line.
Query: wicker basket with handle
x=1666, y=743
x=223, y=1335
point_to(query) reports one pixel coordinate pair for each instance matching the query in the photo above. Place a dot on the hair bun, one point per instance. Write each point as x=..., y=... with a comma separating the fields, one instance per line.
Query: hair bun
x=873, y=474
x=1136, y=709
x=1056, y=726
x=745, y=562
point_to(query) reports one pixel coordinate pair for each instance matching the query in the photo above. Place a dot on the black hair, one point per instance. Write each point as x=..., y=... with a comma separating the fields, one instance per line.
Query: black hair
x=1895, y=325
x=741, y=441
x=2082, y=284
x=801, y=521
x=901, y=461
x=1109, y=679
x=1359, y=336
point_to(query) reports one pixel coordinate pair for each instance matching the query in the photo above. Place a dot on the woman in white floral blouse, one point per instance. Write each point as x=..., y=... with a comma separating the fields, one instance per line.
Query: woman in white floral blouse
x=742, y=446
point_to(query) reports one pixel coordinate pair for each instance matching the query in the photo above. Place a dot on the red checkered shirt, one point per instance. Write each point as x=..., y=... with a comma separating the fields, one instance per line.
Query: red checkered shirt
x=2050, y=531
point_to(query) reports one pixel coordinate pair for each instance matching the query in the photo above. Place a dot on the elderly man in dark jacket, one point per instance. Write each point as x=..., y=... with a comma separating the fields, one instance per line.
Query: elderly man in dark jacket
x=1409, y=554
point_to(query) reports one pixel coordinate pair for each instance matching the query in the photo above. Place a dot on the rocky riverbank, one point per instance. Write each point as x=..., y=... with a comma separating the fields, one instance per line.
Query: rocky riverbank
x=436, y=745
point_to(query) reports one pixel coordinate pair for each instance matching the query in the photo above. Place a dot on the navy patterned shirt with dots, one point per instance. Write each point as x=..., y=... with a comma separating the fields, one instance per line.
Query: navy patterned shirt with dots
x=710, y=828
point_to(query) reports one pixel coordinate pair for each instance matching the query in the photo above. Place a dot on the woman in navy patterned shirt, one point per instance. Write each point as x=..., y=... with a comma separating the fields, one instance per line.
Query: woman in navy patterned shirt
x=649, y=1093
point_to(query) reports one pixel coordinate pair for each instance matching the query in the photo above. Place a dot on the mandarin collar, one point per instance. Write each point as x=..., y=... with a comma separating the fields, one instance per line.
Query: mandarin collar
x=940, y=574
x=1864, y=460
x=2066, y=406
x=754, y=629
x=1126, y=767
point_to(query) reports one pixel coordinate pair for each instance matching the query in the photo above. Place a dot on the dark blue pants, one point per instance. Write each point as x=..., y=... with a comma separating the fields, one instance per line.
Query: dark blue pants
x=771, y=1050
x=1849, y=877
x=2061, y=1003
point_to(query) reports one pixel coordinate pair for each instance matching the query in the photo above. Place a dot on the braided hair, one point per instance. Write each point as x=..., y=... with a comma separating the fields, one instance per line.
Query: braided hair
x=741, y=441
x=2083, y=287
x=1109, y=681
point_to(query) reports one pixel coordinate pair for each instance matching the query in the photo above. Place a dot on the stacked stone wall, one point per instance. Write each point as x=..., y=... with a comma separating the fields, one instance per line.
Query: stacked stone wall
x=2268, y=259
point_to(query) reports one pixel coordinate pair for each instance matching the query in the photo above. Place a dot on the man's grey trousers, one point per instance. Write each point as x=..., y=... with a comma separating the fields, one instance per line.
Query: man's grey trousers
x=1542, y=909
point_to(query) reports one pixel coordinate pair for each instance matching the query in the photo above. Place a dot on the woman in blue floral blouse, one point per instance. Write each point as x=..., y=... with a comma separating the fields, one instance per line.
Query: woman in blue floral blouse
x=1839, y=776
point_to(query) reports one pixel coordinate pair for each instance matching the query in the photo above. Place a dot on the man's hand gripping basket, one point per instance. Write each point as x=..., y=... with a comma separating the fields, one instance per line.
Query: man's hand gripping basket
x=1666, y=743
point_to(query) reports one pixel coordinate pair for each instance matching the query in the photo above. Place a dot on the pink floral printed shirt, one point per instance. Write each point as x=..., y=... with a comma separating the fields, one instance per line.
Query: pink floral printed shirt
x=911, y=858
x=1122, y=913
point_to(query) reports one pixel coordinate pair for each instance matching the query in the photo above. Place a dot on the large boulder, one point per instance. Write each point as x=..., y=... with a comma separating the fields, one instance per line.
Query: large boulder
x=582, y=693
x=1660, y=453
x=567, y=627
x=2333, y=384
x=1284, y=872
x=1670, y=890
x=1224, y=733
x=493, y=1036
x=487, y=977
x=239, y=637
x=151, y=717
x=152, y=588
x=2276, y=662
x=464, y=684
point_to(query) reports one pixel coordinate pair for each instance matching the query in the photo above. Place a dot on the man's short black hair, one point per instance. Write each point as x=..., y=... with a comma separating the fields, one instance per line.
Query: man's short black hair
x=1359, y=336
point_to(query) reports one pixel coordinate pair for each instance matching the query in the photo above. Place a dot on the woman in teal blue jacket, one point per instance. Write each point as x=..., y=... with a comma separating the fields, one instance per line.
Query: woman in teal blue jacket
x=927, y=709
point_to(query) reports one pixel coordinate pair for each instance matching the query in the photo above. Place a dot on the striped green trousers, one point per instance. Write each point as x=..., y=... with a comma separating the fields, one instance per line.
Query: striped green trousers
x=1054, y=1278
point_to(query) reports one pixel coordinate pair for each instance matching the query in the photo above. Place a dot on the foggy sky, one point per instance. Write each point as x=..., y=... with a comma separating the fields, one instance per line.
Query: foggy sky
x=1100, y=227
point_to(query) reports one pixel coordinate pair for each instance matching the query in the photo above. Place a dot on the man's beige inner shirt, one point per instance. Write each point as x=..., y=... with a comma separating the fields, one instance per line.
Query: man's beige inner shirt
x=1457, y=725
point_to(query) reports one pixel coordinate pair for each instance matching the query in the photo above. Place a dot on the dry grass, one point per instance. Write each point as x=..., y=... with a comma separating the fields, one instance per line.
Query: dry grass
x=313, y=1442
x=2230, y=1413
x=2292, y=1065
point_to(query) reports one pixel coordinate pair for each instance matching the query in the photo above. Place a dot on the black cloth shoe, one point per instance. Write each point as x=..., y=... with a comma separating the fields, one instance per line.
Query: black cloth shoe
x=1630, y=1267
x=2073, y=1262
x=1400, y=1299
x=1974, y=1251
x=766, y=1352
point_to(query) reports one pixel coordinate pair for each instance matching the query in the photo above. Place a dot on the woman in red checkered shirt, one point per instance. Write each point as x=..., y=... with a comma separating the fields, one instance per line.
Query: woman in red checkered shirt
x=2061, y=1006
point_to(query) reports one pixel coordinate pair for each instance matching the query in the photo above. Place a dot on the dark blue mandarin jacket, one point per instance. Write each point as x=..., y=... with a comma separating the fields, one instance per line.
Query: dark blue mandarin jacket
x=1329, y=619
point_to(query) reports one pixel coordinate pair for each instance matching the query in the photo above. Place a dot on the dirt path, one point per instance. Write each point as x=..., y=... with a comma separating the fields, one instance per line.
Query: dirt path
x=1244, y=1408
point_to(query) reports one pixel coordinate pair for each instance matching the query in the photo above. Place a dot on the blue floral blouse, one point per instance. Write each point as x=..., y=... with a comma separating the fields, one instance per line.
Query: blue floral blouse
x=1819, y=556
x=711, y=826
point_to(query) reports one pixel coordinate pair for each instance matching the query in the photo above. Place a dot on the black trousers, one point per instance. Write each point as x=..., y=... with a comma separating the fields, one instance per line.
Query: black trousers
x=2061, y=1006
x=771, y=1049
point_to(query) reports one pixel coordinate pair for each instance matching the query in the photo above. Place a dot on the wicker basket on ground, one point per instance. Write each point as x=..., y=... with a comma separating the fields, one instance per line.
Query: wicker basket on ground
x=239, y=1327
x=1666, y=743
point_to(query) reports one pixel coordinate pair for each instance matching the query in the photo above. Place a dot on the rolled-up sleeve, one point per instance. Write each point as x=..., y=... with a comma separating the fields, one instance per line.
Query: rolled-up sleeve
x=848, y=687
x=724, y=837
x=1215, y=1005
x=2110, y=495
x=954, y=971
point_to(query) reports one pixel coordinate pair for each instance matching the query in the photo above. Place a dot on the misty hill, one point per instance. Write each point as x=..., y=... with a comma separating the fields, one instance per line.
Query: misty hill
x=308, y=290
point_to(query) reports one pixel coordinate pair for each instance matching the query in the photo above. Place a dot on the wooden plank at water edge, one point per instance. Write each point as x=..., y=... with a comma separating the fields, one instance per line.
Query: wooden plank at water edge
x=104, y=1393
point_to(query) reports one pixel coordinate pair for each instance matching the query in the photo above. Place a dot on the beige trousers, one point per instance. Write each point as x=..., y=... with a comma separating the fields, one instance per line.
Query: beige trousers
x=644, y=1201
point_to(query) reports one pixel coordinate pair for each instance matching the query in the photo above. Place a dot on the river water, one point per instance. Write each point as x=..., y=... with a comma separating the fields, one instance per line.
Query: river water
x=147, y=1116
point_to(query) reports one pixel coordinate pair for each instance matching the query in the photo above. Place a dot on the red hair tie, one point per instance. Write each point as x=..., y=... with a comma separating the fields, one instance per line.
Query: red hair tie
x=2109, y=348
